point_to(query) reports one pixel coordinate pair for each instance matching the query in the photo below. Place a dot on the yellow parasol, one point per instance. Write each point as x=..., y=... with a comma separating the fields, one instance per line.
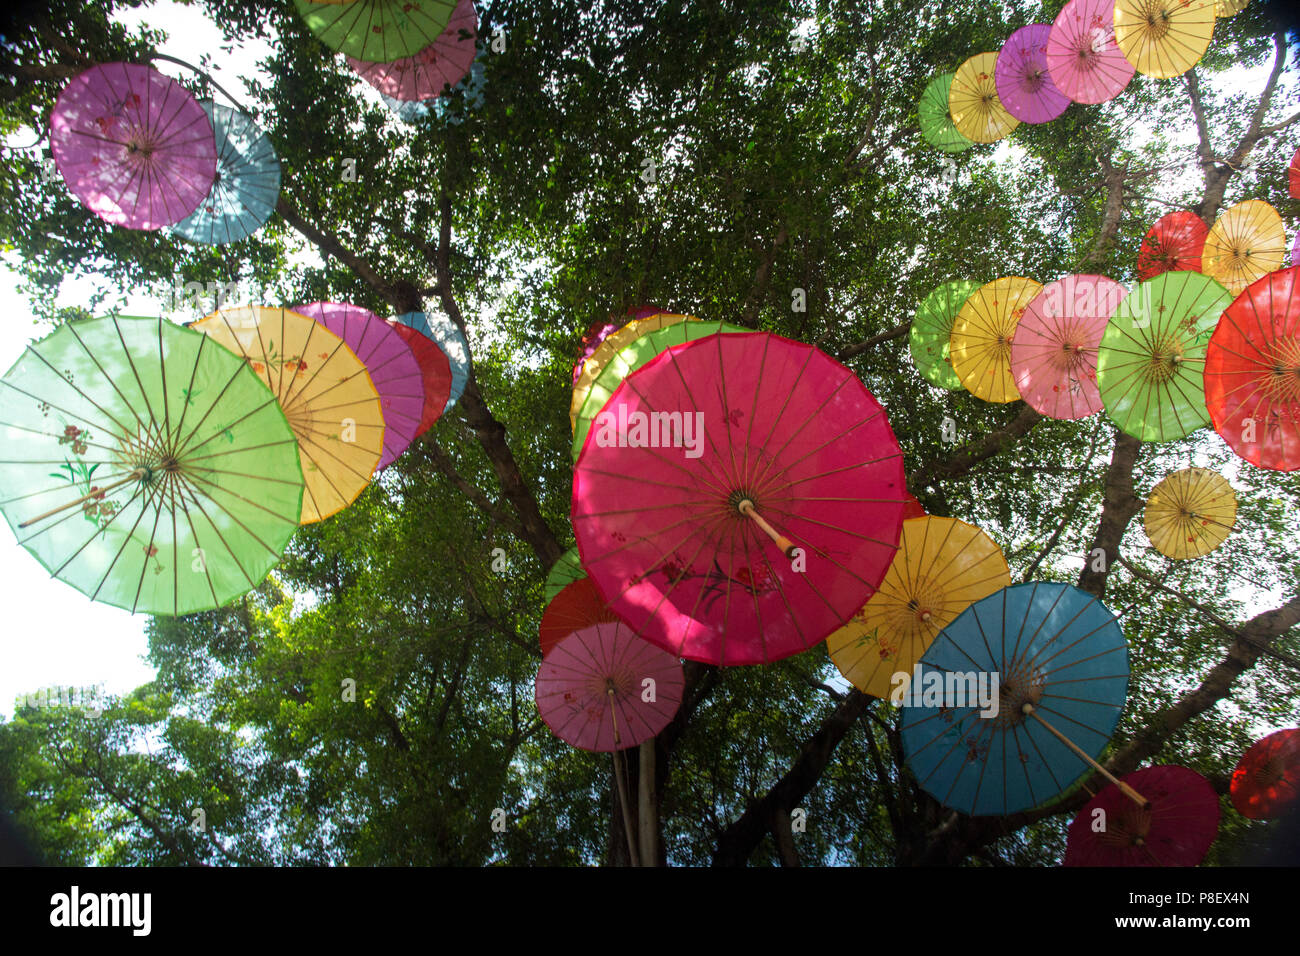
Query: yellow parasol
x=980, y=346
x=1163, y=37
x=609, y=347
x=326, y=394
x=1247, y=242
x=1229, y=8
x=942, y=567
x=973, y=101
x=1190, y=513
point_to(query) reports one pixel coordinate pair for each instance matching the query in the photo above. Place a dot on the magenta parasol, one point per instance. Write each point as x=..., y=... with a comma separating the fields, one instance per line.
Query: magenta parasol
x=133, y=145
x=1082, y=56
x=1024, y=84
x=428, y=74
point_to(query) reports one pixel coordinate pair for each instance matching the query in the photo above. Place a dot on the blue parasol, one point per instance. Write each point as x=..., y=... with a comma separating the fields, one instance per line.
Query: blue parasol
x=448, y=338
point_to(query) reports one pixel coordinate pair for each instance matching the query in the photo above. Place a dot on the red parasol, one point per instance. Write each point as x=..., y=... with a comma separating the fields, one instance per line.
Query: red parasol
x=578, y=605
x=1173, y=243
x=1267, y=780
x=435, y=369
x=1293, y=176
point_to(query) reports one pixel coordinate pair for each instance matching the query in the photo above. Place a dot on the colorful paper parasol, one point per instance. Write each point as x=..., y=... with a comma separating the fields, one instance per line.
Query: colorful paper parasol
x=146, y=466
x=1293, y=175
x=936, y=121
x=325, y=392
x=943, y=566
x=1163, y=38
x=1246, y=242
x=1061, y=662
x=1024, y=84
x=763, y=528
x=912, y=507
x=577, y=606
x=444, y=334
x=1054, y=353
x=565, y=571
x=980, y=346
x=610, y=345
x=246, y=186
x=378, y=31
x=1190, y=513
x=635, y=354
x=1267, y=779
x=435, y=371
x=393, y=369
x=1151, y=362
x=928, y=338
x=1175, y=830
x=973, y=102
x=1174, y=243
x=1082, y=58
x=592, y=689
x=1252, y=372
x=595, y=334
x=433, y=70
x=133, y=145
x=1229, y=8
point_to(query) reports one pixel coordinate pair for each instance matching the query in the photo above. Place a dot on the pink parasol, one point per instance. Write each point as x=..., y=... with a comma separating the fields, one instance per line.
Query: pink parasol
x=133, y=145
x=701, y=464
x=593, y=688
x=1054, y=352
x=1024, y=84
x=1082, y=57
x=392, y=366
x=431, y=72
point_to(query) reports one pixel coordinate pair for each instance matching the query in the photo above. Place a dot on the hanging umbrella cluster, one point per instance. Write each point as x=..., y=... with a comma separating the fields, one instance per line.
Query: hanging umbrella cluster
x=140, y=151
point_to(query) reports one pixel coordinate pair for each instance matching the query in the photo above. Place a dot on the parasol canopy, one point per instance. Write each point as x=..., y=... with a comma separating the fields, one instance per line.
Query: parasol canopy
x=1061, y=663
x=1082, y=58
x=1054, y=353
x=1190, y=513
x=325, y=392
x=433, y=70
x=1245, y=243
x=1229, y=8
x=435, y=371
x=928, y=338
x=1150, y=365
x=1267, y=779
x=1024, y=84
x=565, y=571
x=592, y=689
x=443, y=332
x=1293, y=175
x=146, y=466
x=760, y=525
x=1174, y=243
x=942, y=567
x=133, y=145
x=973, y=102
x=378, y=31
x=611, y=343
x=1164, y=38
x=936, y=121
x=577, y=606
x=980, y=346
x=246, y=186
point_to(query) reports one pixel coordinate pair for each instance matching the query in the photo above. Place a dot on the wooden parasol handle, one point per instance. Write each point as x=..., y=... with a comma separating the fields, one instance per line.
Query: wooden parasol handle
x=1124, y=788
x=97, y=493
x=746, y=507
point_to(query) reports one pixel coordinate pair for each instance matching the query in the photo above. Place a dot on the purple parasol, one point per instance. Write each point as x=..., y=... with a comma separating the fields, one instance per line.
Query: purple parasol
x=393, y=368
x=1024, y=85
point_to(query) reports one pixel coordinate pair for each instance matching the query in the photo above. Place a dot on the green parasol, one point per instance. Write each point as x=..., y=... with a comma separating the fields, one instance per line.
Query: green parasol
x=932, y=330
x=377, y=31
x=936, y=122
x=1151, y=362
x=145, y=465
x=631, y=358
x=564, y=572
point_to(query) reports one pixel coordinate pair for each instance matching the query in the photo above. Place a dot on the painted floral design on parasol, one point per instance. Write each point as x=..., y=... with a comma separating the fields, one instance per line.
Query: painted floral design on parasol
x=928, y=338
x=1082, y=58
x=943, y=566
x=935, y=119
x=1164, y=38
x=433, y=70
x=326, y=394
x=392, y=367
x=435, y=370
x=133, y=145
x=443, y=332
x=377, y=31
x=1173, y=244
x=1024, y=84
x=1252, y=372
x=1061, y=663
x=1246, y=242
x=146, y=466
x=977, y=113
x=246, y=186
x=565, y=571
x=1190, y=513
x=609, y=346
x=1266, y=782
x=1054, y=353
x=577, y=606
x=1151, y=362
x=692, y=537
x=980, y=346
